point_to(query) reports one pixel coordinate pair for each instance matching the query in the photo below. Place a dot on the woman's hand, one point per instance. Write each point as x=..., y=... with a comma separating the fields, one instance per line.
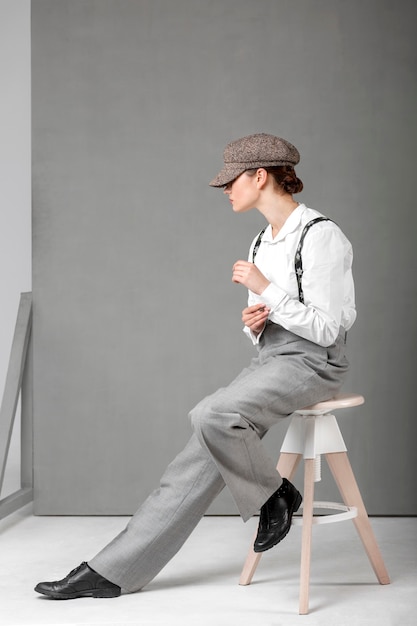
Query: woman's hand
x=250, y=276
x=255, y=316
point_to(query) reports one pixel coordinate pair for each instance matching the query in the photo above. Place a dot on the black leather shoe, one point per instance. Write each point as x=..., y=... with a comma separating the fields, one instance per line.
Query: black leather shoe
x=276, y=516
x=81, y=581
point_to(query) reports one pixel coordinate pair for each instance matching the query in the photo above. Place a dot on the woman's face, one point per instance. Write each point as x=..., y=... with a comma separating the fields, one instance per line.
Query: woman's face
x=243, y=193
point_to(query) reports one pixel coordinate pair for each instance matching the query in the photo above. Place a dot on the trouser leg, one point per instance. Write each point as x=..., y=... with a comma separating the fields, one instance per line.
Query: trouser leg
x=162, y=524
x=231, y=422
x=229, y=425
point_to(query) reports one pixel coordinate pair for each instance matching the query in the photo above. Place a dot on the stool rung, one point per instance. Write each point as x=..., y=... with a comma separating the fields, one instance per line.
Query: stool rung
x=347, y=512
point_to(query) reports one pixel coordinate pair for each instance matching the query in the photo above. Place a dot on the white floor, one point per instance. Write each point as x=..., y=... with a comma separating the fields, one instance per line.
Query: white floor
x=199, y=587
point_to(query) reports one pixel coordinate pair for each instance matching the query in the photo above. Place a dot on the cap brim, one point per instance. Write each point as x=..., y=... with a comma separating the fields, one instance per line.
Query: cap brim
x=226, y=175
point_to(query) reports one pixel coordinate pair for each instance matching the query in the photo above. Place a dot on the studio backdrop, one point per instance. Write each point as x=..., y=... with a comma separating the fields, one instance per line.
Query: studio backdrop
x=135, y=315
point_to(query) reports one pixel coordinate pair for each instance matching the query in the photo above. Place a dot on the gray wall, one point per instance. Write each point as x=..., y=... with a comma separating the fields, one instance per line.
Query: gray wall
x=135, y=315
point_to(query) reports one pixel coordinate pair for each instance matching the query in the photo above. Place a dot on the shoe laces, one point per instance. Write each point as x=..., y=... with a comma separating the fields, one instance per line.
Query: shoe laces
x=77, y=569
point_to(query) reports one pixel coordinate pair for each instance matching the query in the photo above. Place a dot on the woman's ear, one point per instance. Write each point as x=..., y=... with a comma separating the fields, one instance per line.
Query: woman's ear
x=261, y=177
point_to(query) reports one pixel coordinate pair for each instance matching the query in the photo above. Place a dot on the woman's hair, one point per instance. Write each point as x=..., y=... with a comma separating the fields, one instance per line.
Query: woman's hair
x=284, y=177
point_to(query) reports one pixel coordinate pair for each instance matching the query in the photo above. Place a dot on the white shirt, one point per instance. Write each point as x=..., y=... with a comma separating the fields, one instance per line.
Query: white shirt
x=327, y=282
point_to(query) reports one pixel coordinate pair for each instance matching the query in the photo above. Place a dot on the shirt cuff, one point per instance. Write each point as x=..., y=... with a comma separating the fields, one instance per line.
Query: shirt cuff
x=254, y=338
x=272, y=296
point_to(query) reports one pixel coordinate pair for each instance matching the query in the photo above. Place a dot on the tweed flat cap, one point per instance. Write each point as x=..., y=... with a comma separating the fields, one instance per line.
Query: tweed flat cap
x=259, y=150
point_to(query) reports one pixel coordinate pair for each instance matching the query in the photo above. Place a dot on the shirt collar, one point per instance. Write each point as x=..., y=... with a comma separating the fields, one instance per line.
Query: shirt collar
x=291, y=223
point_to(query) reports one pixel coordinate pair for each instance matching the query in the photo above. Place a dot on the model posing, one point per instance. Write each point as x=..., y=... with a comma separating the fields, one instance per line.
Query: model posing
x=301, y=303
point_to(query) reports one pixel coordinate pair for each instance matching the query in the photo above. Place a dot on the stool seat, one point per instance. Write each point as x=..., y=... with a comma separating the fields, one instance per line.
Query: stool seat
x=342, y=401
x=314, y=431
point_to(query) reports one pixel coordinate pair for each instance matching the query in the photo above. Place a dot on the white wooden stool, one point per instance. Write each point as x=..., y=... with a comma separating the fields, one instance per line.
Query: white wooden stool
x=314, y=431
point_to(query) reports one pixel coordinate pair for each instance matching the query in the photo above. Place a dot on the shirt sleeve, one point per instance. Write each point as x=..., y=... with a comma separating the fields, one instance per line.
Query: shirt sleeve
x=326, y=258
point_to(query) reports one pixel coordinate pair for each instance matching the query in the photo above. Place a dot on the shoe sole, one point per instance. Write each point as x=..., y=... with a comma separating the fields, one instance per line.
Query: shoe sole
x=91, y=593
x=294, y=509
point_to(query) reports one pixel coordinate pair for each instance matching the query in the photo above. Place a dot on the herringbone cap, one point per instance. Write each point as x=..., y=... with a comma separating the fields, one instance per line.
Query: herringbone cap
x=259, y=150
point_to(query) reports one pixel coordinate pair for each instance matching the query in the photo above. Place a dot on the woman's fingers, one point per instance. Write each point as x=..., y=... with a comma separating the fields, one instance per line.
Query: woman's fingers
x=250, y=276
x=255, y=316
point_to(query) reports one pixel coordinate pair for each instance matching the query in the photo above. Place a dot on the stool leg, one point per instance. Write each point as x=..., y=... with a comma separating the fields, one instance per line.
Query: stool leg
x=306, y=535
x=342, y=472
x=287, y=464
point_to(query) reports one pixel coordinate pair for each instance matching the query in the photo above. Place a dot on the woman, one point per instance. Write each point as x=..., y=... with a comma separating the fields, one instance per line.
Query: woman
x=301, y=303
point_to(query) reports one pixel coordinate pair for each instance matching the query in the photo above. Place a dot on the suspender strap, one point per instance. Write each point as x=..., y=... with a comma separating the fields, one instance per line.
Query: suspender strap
x=257, y=244
x=298, y=262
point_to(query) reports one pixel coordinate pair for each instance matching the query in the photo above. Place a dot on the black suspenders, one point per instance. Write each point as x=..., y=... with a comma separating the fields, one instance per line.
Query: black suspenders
x=298, y=262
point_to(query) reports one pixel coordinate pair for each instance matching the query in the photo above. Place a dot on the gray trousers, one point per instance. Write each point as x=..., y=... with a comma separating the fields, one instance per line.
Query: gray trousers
x=226, y=448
